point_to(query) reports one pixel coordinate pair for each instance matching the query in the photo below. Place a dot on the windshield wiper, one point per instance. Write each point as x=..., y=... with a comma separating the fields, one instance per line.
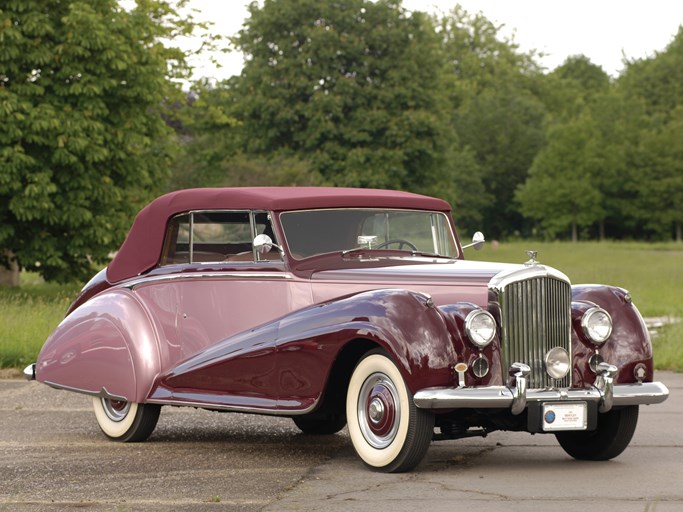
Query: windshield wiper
x=430, y=255
x=363, y=250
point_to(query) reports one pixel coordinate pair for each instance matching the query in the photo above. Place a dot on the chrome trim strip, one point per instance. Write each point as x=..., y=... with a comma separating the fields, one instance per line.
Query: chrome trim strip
x=234, y=408
x=507, y=277
x=211, y=275
x=501, y=397
x=103, y=393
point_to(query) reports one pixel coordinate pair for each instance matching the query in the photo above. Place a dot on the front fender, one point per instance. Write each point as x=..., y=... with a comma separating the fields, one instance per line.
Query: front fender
x=629, y=343
x=404, y=323
x=106, y=347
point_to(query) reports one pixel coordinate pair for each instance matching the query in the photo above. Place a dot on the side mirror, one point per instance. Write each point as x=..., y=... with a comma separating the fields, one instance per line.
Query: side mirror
x=477, y=241
x=263, y=244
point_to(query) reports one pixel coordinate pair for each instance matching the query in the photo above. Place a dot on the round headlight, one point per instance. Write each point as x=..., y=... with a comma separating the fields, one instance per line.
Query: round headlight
x=597, y=325
x=480, y=327
x=557, y=362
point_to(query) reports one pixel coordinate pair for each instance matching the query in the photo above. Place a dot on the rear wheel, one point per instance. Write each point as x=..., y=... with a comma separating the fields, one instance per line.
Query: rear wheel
x=614, y=433
x=125, y=421
x=387, y=430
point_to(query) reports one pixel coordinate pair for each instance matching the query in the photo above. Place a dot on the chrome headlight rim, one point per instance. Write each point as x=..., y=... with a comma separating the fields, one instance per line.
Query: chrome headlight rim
x=557, y=363
x=589, y=330
x=476, y=332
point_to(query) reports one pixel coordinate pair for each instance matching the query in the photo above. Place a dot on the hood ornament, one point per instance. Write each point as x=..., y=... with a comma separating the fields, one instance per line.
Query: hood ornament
x=532, y=255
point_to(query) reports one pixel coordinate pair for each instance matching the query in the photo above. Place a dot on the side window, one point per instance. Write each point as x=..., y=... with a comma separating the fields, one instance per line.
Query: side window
x=209, y=237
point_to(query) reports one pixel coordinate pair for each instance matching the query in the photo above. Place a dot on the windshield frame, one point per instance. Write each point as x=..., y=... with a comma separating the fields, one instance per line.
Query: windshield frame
x=446, y=222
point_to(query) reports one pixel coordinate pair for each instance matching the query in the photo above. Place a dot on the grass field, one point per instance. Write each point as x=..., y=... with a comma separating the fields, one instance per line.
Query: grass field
x=653, y=273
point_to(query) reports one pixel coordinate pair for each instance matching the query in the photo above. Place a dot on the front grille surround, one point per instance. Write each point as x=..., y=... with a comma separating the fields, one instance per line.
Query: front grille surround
x=534, y=310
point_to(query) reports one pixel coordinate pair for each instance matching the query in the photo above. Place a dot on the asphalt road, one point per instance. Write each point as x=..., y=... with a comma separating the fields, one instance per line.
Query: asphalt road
x=53, y=457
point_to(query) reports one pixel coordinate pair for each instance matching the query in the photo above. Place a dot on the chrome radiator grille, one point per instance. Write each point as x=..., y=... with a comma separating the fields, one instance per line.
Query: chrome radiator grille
x=535, y=316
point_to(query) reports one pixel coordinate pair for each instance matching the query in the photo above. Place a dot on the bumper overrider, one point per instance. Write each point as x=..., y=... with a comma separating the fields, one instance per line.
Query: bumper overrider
x=516, y=397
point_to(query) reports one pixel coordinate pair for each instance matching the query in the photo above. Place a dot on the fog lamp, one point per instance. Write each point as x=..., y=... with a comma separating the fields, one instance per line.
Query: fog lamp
x=597, y=325
x=480, y=327
x=557, y=362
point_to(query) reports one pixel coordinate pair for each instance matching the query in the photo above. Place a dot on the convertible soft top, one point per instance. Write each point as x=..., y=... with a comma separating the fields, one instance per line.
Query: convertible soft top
x=142, y=248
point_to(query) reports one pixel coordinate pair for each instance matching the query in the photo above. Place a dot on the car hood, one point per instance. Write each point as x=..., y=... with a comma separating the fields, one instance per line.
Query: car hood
x=453, y=270
x=447, y=282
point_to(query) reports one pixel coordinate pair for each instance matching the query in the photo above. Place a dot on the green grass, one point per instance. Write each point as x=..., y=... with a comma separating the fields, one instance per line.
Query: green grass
x=653, y=273
x=28, y=315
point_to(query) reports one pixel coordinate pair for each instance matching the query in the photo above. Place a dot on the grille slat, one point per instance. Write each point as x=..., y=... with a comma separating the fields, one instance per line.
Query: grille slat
x=535, y=317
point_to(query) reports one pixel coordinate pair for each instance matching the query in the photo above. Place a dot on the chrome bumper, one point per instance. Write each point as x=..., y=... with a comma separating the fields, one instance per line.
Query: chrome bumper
x=502, y=397
x=516, y=396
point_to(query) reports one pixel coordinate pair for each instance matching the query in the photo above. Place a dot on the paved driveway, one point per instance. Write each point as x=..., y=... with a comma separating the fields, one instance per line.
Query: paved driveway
x=53, y=457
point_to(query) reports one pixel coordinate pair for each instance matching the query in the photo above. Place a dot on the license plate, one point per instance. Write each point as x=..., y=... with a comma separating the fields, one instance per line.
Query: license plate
x=565, y=416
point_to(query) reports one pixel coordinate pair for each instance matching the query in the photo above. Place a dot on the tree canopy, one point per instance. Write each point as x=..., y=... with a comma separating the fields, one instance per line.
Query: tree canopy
x=83, y=139
x=351, y=86
x=93, y=122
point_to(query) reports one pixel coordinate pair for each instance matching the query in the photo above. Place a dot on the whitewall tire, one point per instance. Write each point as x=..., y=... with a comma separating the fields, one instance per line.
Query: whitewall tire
x=387, y=431
x=125, y=421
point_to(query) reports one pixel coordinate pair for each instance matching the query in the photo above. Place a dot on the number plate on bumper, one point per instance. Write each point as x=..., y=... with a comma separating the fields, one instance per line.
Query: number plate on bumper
x=565, y=416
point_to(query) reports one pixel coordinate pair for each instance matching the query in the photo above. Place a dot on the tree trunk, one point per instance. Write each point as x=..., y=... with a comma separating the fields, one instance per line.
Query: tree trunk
x=602, y=230
x=679, y=232
x=10, y=276
x=575, y=234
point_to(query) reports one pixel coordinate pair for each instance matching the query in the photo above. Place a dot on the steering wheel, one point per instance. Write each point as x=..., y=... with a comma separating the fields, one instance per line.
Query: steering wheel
x=399, y=241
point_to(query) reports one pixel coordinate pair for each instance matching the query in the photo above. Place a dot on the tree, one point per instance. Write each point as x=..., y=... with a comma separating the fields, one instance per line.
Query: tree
x=495, y=111
x=561, y=190
x=351, y=86
x=659, y=197
x=656, y=176
x=83, y=142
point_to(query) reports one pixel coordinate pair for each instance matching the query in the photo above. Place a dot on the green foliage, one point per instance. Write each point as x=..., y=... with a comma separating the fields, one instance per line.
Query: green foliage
x=28, y=315
x=495, y=112
x=351, y=86
x=83, y=143
x=561, y=190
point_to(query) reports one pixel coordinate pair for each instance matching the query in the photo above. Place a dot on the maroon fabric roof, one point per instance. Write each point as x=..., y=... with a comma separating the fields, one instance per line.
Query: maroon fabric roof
x=142, y=248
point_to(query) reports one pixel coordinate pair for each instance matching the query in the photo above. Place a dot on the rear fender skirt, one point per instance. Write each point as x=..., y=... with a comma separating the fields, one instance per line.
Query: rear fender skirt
x=106, y=347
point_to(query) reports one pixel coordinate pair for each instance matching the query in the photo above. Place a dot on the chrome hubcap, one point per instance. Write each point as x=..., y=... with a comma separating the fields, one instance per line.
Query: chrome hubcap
x=379, y=410
x=116, y=410
x=376, y=410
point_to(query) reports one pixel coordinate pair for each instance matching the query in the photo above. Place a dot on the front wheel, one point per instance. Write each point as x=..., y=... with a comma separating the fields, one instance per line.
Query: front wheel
x=614, y=433
x=128, y=422
x=387, y=430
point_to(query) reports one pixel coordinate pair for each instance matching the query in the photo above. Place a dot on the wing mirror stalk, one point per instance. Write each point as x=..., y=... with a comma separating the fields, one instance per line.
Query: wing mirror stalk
x=263, y=244
x=477, y=241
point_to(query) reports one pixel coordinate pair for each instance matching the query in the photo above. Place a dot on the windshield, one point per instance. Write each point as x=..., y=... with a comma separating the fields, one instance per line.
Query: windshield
x=313, y=232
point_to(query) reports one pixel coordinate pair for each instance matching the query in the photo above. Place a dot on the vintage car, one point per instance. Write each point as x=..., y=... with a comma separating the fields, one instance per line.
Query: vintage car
x=348, y=307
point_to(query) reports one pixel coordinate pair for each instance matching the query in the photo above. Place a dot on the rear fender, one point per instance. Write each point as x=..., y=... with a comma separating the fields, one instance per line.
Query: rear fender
x=105, y=347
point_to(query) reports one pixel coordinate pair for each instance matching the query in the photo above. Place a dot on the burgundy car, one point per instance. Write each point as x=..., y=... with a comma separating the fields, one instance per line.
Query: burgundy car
x=348, y=307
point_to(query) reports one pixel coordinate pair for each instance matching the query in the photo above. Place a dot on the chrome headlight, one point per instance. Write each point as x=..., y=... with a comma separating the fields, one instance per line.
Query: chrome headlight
x=557, y=362
x=480, y=327
x=597, y=325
